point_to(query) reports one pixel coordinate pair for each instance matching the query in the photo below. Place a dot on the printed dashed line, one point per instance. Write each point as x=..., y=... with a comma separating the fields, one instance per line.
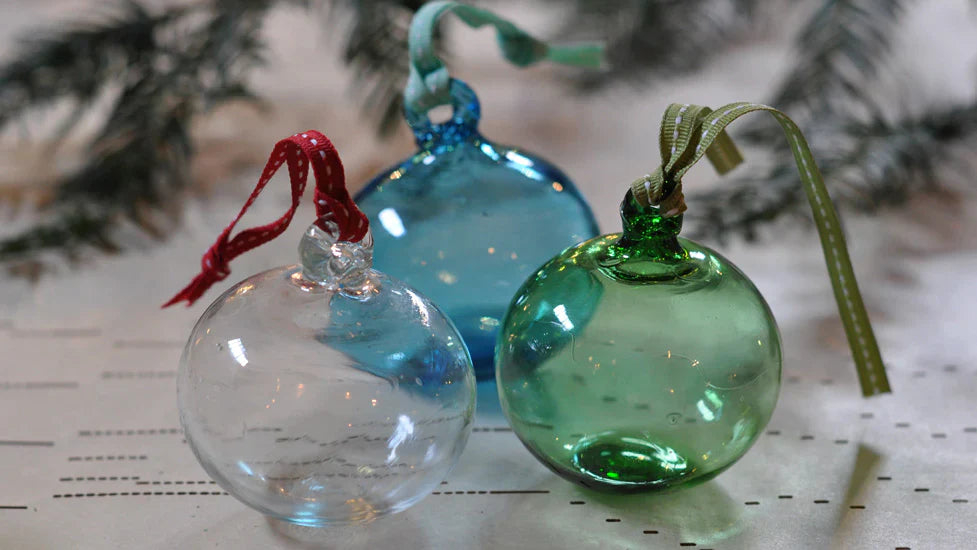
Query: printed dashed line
x=143, y=344
x=207, y=482
x=55, y=332
x=140, y=493
x=100, y=478
x=18, y=443
x=100, y=458
x=138, y=375
x=495, y=492
x=38, y=385
x=106, y=433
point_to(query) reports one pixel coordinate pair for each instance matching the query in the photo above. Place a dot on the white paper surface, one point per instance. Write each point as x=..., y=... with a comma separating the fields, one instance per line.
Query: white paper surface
x=87, y=399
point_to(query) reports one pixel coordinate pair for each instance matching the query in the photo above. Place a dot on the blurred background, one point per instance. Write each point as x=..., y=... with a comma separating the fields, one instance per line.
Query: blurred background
x=131, y=132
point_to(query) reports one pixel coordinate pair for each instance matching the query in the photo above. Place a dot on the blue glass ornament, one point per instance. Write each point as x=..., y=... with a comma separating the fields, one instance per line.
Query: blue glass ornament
x=466, y=221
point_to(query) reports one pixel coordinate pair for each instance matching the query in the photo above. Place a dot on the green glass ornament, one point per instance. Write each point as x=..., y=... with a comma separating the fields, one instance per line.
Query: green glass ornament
x=639, y=360
x=642, y=361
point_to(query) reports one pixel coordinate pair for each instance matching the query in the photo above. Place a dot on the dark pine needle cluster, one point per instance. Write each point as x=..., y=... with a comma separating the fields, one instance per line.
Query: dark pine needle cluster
x=165, y=65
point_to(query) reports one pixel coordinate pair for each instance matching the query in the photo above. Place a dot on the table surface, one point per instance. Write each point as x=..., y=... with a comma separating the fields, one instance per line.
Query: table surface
x=92, y=455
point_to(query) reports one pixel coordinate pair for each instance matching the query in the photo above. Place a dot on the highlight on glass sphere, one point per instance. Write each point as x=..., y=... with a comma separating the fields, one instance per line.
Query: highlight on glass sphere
x=465, y=220
x=638, y=361
x=327, y=392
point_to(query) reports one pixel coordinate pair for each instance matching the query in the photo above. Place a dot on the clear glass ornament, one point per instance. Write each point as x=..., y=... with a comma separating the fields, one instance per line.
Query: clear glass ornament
x=638, y=361
x=326, y=392
x=465, y=220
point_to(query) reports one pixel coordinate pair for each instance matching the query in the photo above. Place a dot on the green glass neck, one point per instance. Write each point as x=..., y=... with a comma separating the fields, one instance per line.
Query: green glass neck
x=648, y=248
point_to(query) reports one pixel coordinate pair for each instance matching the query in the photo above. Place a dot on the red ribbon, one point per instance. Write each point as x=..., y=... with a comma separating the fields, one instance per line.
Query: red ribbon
x=299, y=151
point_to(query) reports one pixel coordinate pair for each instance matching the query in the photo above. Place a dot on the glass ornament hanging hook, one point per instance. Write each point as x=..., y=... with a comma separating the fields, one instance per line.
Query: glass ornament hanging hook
x=335, y=209
x=462, y=124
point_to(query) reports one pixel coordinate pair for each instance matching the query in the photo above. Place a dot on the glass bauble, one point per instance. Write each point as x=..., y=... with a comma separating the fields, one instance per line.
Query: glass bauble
x=326, y=392
x=465, y=220
x=638, y=361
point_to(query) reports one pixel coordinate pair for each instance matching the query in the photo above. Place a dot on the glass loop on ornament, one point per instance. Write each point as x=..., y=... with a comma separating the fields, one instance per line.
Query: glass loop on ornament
x=462, y=124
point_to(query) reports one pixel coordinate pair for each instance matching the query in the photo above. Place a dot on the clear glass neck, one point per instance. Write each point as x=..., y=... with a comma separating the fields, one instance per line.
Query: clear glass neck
x=336, y=265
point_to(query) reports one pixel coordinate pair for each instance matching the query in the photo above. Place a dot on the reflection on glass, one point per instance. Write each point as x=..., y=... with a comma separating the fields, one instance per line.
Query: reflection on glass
x=237, y=351
x=391, y=222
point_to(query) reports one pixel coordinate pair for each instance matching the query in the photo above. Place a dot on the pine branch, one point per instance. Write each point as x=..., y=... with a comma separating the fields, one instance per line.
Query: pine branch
x=839, y=51
x=649, y=39
x=867, y=161
x=170, y=67
x=376, y=49
x=71, y=229
x=162, y=68
x=877, y=164
x=76, y=63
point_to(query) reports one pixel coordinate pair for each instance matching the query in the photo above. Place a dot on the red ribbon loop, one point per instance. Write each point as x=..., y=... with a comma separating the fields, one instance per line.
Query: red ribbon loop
x=298, y=152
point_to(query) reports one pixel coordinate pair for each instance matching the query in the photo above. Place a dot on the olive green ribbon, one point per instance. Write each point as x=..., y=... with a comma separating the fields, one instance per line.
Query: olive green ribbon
x=690, y=131
x=429, y=85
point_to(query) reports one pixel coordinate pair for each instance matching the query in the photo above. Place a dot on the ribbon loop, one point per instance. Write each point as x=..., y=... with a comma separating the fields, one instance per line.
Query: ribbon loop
x=213, y=261
x=298, y=152
x=689, y=132
x=428, y=83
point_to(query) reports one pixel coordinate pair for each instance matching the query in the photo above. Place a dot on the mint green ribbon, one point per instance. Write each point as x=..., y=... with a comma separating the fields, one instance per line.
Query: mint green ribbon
x=690, y=131
x=429, y=85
